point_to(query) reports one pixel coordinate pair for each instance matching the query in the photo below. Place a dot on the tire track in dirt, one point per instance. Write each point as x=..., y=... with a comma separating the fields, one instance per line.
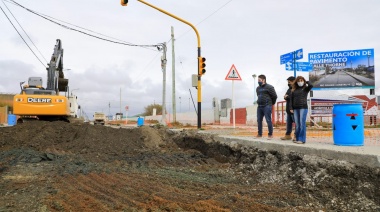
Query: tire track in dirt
x=73, y=195
x=192, y=196
x=113, y=187
x=164, y=193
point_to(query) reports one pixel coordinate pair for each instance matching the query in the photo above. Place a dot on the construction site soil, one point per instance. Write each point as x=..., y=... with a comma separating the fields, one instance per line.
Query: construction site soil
x=58, y=166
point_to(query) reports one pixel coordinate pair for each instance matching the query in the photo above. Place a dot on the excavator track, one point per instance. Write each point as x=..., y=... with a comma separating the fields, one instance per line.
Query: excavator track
x=73, y=120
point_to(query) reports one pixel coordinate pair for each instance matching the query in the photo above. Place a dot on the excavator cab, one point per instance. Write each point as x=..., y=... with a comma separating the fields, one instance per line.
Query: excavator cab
x=34, y=86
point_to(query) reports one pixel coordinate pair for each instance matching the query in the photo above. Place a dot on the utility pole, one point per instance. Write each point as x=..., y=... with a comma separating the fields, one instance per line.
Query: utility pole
x=173, y=80
x=120, y=100
x=163, y=66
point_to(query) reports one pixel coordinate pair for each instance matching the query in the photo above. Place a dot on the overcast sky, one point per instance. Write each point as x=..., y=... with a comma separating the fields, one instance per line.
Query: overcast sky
x=251, y=34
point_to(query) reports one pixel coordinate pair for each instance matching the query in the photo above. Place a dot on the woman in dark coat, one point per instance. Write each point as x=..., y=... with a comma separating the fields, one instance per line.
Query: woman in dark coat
x=298, y=105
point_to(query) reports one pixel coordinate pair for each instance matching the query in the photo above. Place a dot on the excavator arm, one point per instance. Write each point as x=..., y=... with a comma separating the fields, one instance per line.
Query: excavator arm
x=55, y=79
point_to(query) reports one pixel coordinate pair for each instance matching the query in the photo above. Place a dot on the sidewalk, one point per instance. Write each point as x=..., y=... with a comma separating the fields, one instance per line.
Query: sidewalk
x=367, y=155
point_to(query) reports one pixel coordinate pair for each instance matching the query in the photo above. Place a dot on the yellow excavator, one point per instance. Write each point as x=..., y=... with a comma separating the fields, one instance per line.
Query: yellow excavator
x=36, y=102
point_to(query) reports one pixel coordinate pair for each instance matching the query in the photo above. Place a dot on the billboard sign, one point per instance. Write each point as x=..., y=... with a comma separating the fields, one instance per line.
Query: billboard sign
x=324, y=107
x=343, y=69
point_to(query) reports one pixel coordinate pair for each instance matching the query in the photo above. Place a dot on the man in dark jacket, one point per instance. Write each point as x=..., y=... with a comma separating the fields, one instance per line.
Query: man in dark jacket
x=266, y=97
x=289, y=115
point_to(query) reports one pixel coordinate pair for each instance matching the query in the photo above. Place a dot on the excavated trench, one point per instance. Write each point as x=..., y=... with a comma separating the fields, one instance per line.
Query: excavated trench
x=57, y=166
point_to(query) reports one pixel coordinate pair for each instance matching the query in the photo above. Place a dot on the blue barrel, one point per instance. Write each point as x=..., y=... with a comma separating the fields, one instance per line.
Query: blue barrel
x=140, y=121
x=12, y=119
x=348, y=125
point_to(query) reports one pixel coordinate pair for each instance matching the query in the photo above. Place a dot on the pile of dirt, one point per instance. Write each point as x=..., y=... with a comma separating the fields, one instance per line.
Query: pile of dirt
x=95, y=142
x=57, y=166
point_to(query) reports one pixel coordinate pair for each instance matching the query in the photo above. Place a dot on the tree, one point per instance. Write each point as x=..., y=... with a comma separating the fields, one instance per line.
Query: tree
x=148, y=110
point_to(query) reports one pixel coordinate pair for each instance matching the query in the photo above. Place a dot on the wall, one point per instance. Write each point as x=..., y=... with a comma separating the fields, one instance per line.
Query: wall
x=207, y=117
x=241, y=116
x=244, y=116
x=4, y=115
x=73, y=99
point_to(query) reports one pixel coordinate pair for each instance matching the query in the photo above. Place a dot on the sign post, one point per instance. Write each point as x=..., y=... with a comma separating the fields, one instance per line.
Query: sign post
x=300, y=66
x=126, y=114
x=291, y=57
x=233, y=75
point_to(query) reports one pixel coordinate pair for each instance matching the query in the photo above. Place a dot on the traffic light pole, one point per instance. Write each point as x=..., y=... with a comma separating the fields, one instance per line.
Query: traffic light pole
x=199, y=55
x=199, y=88
x=294, y=63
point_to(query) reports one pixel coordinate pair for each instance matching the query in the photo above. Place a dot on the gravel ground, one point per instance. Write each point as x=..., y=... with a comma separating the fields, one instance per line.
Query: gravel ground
x=57, y=166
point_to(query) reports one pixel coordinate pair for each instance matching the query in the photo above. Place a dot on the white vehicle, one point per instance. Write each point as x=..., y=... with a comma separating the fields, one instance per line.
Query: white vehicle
x=99, y=118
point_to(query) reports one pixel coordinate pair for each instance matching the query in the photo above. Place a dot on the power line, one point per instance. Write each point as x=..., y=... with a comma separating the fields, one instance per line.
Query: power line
x=64, y=26
x=52, y=19
x=25, y=32
x=143, y=72
x=22, y=37
x=85, y=33
x=217, y=10
x=42, y=15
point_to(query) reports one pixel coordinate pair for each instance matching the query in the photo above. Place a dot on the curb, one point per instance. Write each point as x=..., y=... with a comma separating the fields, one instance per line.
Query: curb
x=324, y=151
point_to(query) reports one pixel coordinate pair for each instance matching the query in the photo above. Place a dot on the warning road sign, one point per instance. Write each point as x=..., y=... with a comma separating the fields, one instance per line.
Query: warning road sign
x=233, y=74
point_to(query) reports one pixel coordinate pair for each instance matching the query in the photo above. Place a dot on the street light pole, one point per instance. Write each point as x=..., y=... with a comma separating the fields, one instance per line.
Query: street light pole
x=254, y=88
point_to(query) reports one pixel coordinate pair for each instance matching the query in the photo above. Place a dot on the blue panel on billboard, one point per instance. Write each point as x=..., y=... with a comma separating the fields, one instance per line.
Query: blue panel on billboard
x=343, y=69
x=289, y=56
x=300, y=66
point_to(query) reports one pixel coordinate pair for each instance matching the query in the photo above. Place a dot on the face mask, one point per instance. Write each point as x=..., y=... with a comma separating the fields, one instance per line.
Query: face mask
x=300, y=84
x=260, y=83
x=289, y=85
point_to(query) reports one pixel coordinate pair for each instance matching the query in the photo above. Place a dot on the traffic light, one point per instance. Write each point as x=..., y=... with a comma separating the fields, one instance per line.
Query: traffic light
x=202, y=65
x=123, y=2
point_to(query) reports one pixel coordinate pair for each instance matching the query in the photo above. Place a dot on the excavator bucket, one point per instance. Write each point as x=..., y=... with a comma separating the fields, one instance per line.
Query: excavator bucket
x=62, y=84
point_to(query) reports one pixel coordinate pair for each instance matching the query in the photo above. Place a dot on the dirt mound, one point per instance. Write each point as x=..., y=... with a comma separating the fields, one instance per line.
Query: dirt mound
x=57, y=166
x=88, y=141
